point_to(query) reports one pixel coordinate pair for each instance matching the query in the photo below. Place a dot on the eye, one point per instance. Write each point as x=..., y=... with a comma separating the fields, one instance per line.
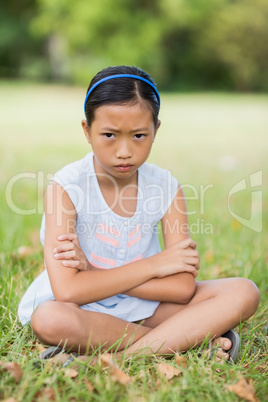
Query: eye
x=108, y=135
x=139, y=136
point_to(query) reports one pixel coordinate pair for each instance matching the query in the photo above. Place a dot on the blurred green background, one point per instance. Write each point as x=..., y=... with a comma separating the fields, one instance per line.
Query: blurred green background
x=184, y=44
x=210, y=61
x=208, y=57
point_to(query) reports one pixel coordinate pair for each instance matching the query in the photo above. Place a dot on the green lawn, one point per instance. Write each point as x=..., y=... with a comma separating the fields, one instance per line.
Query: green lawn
x=210, y=142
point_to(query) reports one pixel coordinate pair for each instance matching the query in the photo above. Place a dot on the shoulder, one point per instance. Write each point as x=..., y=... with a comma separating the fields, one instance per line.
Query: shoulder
x=154, y=174
x=73, y=179
x=73, y=172
x=158, y=188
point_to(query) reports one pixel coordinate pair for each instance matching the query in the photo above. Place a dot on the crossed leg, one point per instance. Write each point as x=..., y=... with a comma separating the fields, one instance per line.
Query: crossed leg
x=216, y=307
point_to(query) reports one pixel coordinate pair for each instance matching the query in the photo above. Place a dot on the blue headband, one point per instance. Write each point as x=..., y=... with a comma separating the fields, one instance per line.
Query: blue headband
x=137, y=77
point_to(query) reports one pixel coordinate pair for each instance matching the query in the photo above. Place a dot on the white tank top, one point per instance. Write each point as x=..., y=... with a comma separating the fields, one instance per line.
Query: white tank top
x=107, y=239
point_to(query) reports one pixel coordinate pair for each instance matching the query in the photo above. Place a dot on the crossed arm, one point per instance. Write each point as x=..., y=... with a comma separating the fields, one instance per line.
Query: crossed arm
x=168, y=276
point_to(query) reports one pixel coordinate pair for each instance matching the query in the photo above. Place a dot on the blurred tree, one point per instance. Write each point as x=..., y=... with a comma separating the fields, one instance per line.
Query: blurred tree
x=184, y=22
x=182, y=43
x=17, y=46
x=237, y=42
x=101, y=33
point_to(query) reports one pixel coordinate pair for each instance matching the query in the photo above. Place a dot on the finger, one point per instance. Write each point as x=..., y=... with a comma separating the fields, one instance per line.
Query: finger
x=74, y=264
x=192, y=261
x=64, y=247
x=70, y=263
x=191, y=269
x=187, y=243
x=190, y=252
x=68, y=236
x=193, y=245
x=193, y=254
x=68, y=255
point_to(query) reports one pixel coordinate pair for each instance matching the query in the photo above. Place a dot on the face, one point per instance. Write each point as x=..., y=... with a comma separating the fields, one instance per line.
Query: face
x=121, y=137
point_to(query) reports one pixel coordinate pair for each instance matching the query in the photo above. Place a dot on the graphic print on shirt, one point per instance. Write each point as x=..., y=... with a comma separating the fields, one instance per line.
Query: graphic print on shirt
x=121, y=250
x=134, y=236
x=102, y=262
x=109, y=235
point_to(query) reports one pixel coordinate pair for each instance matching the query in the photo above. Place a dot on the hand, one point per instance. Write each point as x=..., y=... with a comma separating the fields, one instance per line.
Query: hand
x=181, y=257
x=71, y=254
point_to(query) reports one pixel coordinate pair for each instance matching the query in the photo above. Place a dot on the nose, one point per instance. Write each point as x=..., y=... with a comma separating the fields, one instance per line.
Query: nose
x=124, y=149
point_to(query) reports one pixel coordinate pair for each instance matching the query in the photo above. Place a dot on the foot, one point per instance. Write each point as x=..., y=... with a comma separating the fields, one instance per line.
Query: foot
x=223, y=345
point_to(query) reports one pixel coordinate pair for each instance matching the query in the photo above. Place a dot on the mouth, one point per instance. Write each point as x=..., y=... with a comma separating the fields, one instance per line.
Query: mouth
x=123, y=167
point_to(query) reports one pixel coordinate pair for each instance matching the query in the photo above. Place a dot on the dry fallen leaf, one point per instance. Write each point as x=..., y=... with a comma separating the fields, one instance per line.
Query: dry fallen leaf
x=168, y=370
x=181, y=360
x=13, y=368
x=72, y=373
x=24, y=251
x=107, y=360
x=9, y=400
x=244, y=389
x=45, y=394
x=116, y=374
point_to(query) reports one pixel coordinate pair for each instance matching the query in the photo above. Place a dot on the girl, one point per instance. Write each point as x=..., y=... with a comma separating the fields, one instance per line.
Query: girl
x=106, y=278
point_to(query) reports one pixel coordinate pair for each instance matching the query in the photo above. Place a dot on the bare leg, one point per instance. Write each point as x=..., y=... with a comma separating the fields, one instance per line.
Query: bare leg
x=216, y=307
x=66, y=324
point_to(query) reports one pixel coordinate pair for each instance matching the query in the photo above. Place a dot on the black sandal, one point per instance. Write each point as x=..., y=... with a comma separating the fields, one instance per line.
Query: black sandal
x=55, y=350
x=235, y=339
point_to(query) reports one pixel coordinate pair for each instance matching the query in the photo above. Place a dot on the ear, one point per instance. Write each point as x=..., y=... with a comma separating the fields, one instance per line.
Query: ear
x=157, y=127
x=86, y=130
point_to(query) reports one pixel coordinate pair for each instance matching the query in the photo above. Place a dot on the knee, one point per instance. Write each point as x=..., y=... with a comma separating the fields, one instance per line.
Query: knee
x=47, y=322
x=249, y=296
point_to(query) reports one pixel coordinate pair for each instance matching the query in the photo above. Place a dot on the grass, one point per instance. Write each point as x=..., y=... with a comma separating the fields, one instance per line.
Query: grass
x=210, y=142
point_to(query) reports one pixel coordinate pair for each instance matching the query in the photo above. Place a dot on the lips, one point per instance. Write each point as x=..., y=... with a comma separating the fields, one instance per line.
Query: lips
x=124, y=168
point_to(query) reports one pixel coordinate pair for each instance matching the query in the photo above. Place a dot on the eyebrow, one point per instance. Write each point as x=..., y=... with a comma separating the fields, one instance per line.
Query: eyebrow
x=109, y=129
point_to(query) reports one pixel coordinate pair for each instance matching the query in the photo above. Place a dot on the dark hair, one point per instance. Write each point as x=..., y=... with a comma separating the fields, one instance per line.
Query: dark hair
x=121, y=91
